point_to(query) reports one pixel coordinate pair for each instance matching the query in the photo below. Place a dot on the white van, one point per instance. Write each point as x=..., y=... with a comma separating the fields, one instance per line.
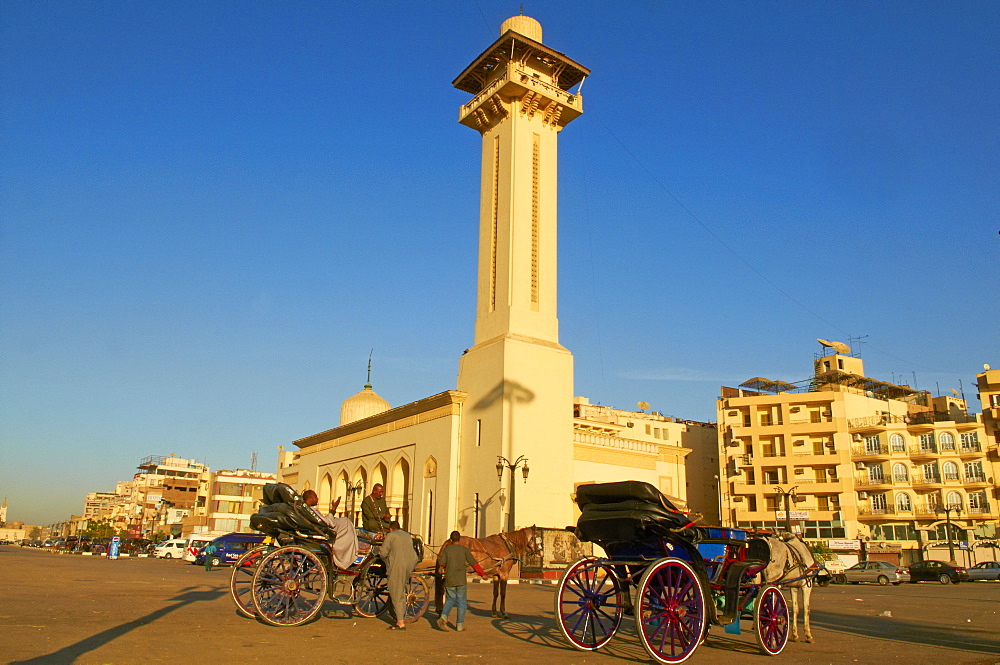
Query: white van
x=172, y=549
x=198, y=540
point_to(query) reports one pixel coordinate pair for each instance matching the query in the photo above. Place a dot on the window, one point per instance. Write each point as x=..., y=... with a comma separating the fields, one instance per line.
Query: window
x=899, y=473
x=931, y=471
x=903, y=504
x=872, y=444
x=878, y=503
x=897, y=443
x=954, y=499
x=927, y=442
x=977, y=502
x=947, y=440
x=875, y=472
x=974, y=471
x=950, y=471
x=970, y=441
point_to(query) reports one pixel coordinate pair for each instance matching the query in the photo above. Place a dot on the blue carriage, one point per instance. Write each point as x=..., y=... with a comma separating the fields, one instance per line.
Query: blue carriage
x=675, y=578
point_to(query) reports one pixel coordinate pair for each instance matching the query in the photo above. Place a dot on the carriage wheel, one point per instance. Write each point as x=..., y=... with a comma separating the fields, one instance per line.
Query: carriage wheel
x=289, y=587
x=670, y=614
x=241, y=582
x=371, y=595
x=589, y=604
x=770, y=621
x=418, y=597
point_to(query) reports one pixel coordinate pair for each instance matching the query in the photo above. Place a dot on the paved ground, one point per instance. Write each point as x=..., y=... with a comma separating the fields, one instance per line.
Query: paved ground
x=57, y=608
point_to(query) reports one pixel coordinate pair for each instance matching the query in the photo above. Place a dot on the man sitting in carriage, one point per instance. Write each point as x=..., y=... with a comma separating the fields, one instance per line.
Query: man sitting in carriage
x=345, y=546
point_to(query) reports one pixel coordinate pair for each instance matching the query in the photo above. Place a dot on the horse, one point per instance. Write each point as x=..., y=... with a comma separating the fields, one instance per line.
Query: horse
x=497, y=555
x=794, y=567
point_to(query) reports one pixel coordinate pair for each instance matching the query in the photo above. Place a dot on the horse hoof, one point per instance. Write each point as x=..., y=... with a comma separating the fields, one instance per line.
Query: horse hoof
x=809, y=640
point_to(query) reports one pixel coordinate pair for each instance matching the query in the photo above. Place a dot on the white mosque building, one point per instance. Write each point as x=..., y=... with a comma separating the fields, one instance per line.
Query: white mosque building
x=507, y=447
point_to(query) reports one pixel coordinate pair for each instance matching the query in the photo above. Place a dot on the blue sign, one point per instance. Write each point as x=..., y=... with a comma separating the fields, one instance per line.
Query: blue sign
x=113, y=548
x=963, y=545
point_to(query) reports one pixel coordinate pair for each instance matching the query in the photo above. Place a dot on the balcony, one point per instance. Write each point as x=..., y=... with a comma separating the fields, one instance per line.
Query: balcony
x=870, y=451
x=974, y=480
x=865, y=481
x=920, y=479
x=923, y=451
x=974, y=450
x=876, y=513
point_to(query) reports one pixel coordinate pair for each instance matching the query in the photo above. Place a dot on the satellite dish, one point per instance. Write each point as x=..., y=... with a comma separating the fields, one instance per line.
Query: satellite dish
x=643, y=405
x=824, y=342
x=839, y=347
x=953, y=392
x=986, y=367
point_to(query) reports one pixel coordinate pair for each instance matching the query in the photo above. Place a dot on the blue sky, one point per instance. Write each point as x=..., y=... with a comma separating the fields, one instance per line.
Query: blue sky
x=212, y=212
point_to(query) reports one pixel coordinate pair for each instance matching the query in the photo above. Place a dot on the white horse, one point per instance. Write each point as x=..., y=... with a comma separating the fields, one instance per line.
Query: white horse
x=792, y=566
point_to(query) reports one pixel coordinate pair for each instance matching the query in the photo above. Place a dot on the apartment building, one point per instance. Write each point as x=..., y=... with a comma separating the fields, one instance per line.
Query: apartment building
x=233, y=497
x=875, y=469
x=164, y=492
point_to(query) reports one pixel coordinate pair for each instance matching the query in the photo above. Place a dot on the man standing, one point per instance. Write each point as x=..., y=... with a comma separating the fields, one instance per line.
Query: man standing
x=210, y=550
x=374, y=513
x=454, y=558
x=400, y=560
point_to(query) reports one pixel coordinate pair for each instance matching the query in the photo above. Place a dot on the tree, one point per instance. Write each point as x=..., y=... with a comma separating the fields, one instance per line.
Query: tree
x=35, y=534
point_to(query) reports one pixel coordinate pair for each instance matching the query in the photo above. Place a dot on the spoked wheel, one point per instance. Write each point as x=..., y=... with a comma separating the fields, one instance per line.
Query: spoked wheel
x=371, y=595
x=770, y=621
x=418, y=597
x=289, y=587
x=589, y=604
x=241, y=582
x=670, y=614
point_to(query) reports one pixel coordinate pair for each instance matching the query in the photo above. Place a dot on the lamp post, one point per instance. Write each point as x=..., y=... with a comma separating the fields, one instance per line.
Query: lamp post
x=789, y=496
x=503, y=463
x=352, y=493
x=948, y=510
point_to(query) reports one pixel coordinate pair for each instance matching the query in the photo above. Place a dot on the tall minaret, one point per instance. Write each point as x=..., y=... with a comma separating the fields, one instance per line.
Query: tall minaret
x=518, y=377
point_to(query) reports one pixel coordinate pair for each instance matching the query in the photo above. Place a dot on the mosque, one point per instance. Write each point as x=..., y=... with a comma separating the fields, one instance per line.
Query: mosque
x=508, y=446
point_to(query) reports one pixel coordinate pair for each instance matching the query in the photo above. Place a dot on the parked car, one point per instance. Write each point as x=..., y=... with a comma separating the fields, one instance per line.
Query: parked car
x=230, y=547
x=882, y=572
x=172, y=549
x=937, y=571
x=986, y=570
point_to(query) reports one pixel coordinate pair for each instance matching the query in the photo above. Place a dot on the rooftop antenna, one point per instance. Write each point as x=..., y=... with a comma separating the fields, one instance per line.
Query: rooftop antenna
x=253, y=460
x=856, y=343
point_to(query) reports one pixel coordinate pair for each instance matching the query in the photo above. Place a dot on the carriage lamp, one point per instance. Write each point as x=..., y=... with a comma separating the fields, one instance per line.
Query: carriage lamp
x=524, y=470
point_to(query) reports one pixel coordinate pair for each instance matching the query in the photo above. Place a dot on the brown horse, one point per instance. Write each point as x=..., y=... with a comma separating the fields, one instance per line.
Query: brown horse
x=497, y=555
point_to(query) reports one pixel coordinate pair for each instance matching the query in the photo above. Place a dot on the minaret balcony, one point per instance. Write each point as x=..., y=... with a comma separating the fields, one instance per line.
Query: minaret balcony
x=521, y=84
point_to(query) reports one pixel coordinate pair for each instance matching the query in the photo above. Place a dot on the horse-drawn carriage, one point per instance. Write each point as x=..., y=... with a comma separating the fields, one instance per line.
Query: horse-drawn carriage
x=674, y=577
x=285, y=581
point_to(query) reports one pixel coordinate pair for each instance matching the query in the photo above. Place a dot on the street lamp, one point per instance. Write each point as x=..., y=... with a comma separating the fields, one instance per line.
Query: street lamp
x=790, y=497
x=503, y=463
x=352, y=492
x=948, y=510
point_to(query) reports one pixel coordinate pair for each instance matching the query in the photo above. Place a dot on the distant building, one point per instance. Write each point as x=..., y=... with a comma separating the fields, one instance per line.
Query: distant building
x=233, y=497
x=164, y=491
x=872, y=468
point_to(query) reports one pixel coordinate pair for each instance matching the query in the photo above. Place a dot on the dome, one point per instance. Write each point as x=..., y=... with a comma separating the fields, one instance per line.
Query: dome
x=365, y=404
x=523, y=25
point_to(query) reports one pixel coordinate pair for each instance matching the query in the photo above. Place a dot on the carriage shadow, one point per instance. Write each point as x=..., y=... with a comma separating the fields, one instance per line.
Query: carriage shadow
x=626, y=646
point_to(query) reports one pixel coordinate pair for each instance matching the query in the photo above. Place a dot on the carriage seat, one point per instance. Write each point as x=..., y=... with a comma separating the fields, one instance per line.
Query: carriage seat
x=625, y=511
x=283, y=512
